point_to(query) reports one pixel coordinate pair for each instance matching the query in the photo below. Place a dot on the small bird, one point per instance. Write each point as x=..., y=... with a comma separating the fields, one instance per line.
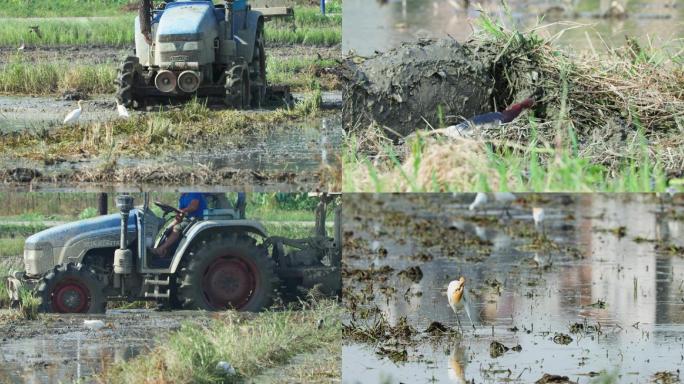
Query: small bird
x=538, y=216
x=465, y=128
x=74, y=115
x=319, y=324
x=94, y=324
x=480, y=200
x=123, y=112
x=22, y=47
x=456, y=297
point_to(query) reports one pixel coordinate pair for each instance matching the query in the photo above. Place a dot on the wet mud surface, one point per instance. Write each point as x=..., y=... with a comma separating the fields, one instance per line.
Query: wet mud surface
x=60, y=349
x=597, y=289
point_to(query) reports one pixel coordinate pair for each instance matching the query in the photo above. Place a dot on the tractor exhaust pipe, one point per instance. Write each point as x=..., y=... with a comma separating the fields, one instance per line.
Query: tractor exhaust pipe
x=123, y=257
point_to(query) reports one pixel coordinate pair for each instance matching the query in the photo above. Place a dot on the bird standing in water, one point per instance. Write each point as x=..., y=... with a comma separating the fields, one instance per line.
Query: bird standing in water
x=466, y=128
x=74, y=115
x=538, y=216
x=457, y=300
x=123, y=112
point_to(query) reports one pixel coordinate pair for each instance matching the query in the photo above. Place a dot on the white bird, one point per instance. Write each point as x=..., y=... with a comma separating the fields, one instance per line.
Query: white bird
x=457, y=300
x=21, y=47
x=480, y=199
x=123, y=112
x=538, y=216
x=94, y=324
x=74, y=115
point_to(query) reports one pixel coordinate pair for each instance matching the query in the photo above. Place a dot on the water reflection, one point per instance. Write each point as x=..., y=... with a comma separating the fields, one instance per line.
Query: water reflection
x=641, y=322
x=370, y=26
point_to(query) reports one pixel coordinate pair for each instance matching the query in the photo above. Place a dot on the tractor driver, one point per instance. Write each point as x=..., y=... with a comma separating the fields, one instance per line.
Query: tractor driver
x=191, y=205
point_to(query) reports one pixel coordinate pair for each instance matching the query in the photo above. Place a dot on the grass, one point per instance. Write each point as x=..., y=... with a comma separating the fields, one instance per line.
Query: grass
x=54, y=8
x=151, y=134
x=610, y=123
x=307, y=28
x=28, y=307
x=269, y=339
x=11, y=246
x=25, y=229
x=4, y=293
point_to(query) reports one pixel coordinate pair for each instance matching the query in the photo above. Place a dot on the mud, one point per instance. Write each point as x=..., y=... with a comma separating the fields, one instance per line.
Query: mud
x=59, y=348
x=564, y=302
x=429, y=83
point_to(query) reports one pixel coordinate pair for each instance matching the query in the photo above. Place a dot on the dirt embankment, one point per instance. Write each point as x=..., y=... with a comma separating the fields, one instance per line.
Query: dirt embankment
x=429, y=82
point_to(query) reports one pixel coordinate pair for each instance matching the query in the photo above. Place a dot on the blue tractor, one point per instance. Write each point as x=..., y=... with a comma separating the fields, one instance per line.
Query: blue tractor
x=188, y=48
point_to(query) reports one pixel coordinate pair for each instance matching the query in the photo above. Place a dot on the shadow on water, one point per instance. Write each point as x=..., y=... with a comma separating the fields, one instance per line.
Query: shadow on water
x=370, y=26
x=597, y=268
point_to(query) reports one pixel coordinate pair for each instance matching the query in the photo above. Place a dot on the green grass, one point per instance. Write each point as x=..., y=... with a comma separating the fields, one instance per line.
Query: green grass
x=54, y=8
x=307, y=28
x=251, y=346
x=4, y=294
x=27, y=229
x=28, y=307
x=12, y=246
x=21, y=77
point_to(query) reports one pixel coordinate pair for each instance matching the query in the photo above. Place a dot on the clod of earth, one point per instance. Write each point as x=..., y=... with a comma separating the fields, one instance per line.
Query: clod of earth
x=497, y=349
x=562, y=338
x=666, y=377
x=556, y=379
x=436, y=328
x=414, y=273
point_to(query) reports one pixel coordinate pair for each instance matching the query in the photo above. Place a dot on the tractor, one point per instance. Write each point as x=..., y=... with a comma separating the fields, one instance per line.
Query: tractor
x=222, y=261
x=188, y=48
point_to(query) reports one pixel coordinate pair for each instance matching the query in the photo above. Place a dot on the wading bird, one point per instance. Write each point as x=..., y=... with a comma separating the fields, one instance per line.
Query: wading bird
x=505, y=198
x=466, y=128
x=123, y=112
x=74, y=115
x=538, y=216
x=480, y=200
x=457, y=300
x=21, y=47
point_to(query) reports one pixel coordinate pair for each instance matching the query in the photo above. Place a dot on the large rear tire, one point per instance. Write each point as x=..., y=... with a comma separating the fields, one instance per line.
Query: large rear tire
x=237, y=88
x=71, y=288
x=126, y=80
x=228, y=273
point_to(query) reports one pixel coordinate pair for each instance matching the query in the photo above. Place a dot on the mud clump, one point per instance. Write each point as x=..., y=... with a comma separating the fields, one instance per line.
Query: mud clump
x=558, y=379
x=497, y=349
x=415, y=274
x=562, y=338
x=430, y=81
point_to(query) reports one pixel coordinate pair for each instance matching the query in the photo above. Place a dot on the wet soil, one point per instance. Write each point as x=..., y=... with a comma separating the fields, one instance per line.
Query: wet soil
x=590, y=291
x=60, y=349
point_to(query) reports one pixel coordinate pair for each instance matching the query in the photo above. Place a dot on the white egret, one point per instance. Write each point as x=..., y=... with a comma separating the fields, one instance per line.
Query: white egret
x=457, y=300
x=538, y=216
x=74, y=115
x=22, y=47
x=123, y=112
x=480, y=199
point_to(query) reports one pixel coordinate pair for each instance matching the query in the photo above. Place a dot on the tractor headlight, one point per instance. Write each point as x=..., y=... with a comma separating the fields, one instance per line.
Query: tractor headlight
x=191, y=46
x=167, y=47
x=38, y=261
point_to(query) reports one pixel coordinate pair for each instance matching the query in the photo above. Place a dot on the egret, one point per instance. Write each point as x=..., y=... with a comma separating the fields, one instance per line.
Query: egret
x=456, y=296
x=22, y=47
x=123, y=112
x=480, y=199
x=538, y=216
x=74, y=115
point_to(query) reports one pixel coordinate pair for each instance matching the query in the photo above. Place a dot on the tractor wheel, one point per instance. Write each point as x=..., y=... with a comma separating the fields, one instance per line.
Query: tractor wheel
x=126, y=80
x=257, y=74
x=237, y=90
x=71, y=288
x=228, y=273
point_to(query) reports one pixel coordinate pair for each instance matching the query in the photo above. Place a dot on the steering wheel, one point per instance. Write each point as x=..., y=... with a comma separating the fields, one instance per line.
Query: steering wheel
x=167, y=208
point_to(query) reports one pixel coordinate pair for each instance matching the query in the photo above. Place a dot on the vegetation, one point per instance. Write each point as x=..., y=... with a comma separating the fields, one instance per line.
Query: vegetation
x=269, y=339
x=593, y=128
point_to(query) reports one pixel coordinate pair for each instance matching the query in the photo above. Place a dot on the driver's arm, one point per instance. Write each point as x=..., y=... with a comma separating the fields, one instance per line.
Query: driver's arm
x=192, y=207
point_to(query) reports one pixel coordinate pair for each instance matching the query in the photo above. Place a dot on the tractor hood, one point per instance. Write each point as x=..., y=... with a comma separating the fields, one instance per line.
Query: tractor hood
x=69, y=242
x=186, y=21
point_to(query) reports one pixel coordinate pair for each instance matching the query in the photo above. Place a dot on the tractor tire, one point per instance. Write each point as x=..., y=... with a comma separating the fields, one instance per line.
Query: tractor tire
x=125, y=82
x=228, y=273
x=237, y=91
x=257, y=74
x=71, y=288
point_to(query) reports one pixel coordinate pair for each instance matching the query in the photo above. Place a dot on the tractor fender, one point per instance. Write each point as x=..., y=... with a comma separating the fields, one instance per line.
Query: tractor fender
x=248, y=226
x=248, y=35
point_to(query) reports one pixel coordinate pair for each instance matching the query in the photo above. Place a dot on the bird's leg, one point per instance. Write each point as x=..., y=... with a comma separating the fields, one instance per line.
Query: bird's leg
x=458, y=319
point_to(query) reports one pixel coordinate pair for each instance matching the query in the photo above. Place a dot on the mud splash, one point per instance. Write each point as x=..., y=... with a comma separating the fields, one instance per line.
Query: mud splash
x=577, y=297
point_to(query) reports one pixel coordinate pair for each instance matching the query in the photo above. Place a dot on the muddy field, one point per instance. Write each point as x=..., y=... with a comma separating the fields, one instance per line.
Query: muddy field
x=594, y=291
x=61, y=349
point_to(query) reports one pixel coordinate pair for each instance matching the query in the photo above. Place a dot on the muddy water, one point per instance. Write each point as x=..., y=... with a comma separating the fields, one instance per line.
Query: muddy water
x=369, y=25
x=641, y=324
x=60, y=349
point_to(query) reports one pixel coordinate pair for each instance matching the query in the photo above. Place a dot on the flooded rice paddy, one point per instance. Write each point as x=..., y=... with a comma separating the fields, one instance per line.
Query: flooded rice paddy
x=598, y=289
x=60, y=349
x=370, y=26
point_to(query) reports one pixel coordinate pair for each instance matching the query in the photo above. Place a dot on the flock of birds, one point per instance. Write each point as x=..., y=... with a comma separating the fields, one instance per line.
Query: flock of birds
x=456, y=293
x=74, y=116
